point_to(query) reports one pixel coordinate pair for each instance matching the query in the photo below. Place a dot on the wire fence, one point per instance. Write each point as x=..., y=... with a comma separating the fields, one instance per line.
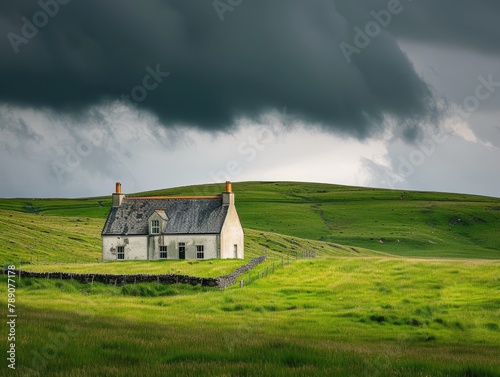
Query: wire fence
x=277, y=263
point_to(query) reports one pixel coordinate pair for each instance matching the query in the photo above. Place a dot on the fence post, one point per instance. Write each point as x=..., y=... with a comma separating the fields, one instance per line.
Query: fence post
x=242, y=283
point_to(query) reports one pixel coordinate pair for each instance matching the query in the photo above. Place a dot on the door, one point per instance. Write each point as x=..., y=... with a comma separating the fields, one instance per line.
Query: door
x=182, y=250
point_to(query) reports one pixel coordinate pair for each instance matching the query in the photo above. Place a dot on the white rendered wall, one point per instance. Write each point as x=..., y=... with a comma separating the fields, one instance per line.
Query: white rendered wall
x=135, y=247
x=148, y=247
x=232, y=234
x=209, y=241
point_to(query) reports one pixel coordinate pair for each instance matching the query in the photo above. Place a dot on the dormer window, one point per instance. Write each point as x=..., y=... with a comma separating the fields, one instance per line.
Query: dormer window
x=155, y=227
x=157, y=222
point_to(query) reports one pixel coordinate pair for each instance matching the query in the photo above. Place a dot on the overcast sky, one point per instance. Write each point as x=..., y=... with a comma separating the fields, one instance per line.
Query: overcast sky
x=162, y=93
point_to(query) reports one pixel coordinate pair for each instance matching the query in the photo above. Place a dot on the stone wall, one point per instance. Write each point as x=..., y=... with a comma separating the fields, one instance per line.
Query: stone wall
x=228, y=280
x=221, y=281
x=120, y=279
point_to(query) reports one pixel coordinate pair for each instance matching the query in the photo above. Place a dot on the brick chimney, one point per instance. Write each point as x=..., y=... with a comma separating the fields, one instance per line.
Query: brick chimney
x=228, y=195
x=118, y=196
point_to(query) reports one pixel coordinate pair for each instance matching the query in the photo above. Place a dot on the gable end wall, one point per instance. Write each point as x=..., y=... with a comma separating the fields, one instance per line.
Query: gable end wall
x=232, y=234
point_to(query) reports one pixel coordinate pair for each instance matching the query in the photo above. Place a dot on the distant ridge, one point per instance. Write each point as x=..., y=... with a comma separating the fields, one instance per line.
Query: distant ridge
x=399, y=222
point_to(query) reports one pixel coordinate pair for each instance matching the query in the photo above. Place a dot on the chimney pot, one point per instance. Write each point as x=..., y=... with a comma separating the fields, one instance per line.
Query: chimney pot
x=118, y=196
x=228, y=186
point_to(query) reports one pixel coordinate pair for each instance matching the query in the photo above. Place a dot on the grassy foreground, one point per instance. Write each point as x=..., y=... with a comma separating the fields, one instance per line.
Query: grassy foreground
x=353, y=311
x=369, y=316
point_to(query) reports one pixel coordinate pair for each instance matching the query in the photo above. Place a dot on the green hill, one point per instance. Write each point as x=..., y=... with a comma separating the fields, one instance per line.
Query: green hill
x=353, y=311
x=405, y=223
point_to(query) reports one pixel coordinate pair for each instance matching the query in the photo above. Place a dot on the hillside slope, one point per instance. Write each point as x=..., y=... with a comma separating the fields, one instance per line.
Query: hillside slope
x=403, y=223
x=406, y=223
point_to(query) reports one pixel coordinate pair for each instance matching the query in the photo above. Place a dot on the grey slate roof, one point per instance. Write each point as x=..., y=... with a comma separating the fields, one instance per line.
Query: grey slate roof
x=185, y=216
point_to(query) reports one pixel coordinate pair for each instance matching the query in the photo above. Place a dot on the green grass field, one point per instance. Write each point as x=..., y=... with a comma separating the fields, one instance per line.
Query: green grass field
x=404, y=284
x=334, y=316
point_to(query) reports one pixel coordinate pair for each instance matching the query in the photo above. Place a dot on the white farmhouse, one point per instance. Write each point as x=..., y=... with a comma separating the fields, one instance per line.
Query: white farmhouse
x=163, y=227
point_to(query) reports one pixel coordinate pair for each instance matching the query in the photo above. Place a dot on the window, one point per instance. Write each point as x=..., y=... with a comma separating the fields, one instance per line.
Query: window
x=200, y=252
x=163, y=252
x=235, y=251
x=121, y=253
x=155, y=226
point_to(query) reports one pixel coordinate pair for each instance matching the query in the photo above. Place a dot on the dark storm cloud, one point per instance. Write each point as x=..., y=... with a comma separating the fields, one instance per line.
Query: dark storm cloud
x=207, y=72
x=464, y=24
